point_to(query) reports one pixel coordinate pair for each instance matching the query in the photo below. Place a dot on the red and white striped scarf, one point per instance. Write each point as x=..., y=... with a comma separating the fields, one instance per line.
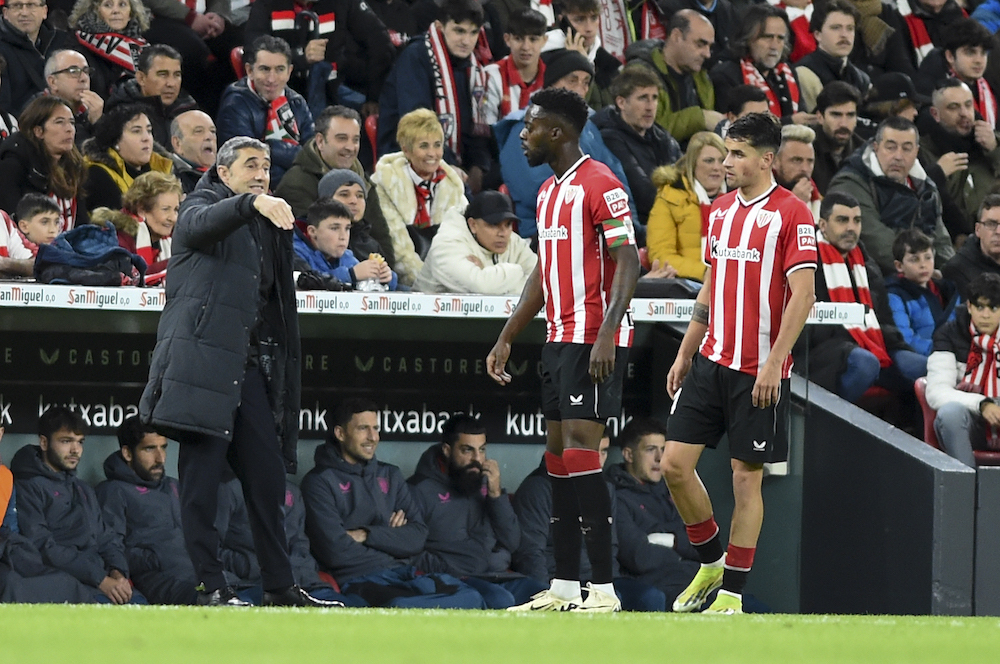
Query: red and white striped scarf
x=115, y=48
x=195, y=5
x=613, y=23
x=751, y=76
x=650, y=25
x=922, y=43
x=144, y=247
x=986, y=101
x=981, y=372
x=281, y=124
x=838, y=270
x=67, y=211
x=425, y=190
x=446, y=99
x=514, y=86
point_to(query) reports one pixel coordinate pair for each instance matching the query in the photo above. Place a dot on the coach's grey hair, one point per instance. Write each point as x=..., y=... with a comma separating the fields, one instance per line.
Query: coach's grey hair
x=230, y=149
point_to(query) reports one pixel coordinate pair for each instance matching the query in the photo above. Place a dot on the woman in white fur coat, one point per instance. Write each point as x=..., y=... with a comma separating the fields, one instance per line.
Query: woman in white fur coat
x=478, y=252
x=415, y=187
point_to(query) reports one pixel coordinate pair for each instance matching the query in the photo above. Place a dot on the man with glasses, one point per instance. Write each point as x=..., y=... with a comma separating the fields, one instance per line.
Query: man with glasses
x=894, y=192
x=67, y=76
x=981, y=253
x=25, y=42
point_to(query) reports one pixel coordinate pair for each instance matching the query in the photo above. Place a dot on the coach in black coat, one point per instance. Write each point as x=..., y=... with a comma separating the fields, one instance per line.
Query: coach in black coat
x=225, y=375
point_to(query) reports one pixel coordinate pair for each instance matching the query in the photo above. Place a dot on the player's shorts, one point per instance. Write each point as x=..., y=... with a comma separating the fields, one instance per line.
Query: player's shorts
x=714, y=400
x=567, y=391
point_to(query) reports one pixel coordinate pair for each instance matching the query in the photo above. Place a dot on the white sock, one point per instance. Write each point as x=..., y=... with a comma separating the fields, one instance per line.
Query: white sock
x=606, y=588
x=736, y=595
x=564, y=589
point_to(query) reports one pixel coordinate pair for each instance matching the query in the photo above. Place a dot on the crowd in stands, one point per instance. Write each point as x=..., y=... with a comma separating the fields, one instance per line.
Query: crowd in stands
x=394, y=130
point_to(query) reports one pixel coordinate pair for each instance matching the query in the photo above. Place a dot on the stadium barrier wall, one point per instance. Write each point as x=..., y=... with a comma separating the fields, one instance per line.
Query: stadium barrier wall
x=888, y=523
x=987, y=590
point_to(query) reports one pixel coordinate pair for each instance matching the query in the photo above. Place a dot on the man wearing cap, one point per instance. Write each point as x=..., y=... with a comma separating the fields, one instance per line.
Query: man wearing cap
x=959, y=151
x=335, y=146
x=568, y=70
x=688, y=101
x=891, y=94
x=478, y=252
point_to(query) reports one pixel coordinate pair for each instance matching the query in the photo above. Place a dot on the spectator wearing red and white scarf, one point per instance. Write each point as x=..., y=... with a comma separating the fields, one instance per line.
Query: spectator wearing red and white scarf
x=928, y=23
x=763, y=45
x=849, y=359
x=793, y=165
x=512, y=80
x=962, y=374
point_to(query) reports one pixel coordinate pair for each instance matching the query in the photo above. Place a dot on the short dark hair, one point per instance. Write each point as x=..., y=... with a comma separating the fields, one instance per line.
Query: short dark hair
x=324, y=208
x=639, y=428
x=967, y=32
x=946, y=84
x=823, y=9
x=990, y=201
x=157, y=51
x=836, y=198
x=836, y=93
x=762, y=131
x=322, y=122
x=631, y=78
x=910, y=241
x=347, y=409
x=461, y=11
x=132, y=431
x=268, y=43
x=459, y=424
x=742, y=95
x=108, y=129
x=896, y=123
x=32, y=204
x=579, y=6
x=754, y=22
x=986, y=286
x=568, y=105
x=60, y=417
x=527, y=22
x=681, y=20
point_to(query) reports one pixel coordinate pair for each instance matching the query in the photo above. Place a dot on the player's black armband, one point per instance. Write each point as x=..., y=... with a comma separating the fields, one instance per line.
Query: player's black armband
x=700, y=314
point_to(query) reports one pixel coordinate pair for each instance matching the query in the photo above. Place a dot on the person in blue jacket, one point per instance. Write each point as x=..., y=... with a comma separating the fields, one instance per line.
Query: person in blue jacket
x=920, y=304
x=323, y=248
x=568, y=70
x=262, y=106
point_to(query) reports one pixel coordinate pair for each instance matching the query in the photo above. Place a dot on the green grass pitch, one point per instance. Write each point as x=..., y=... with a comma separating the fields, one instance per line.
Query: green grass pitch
x=179, y=635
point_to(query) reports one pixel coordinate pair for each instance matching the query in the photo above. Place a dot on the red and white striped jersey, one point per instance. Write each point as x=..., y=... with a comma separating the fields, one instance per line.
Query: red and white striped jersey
x=752, y=246
x=581, y=216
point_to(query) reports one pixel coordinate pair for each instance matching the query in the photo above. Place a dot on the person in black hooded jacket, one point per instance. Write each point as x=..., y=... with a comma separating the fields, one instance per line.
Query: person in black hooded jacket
x=26, y=41
x=59, y=513
x=231, y=307
x=471, y=526
x=141, y=504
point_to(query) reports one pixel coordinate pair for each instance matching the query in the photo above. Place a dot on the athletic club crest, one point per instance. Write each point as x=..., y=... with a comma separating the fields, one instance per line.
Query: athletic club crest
x=764, y=218
x=570, y=195
x=447, y=124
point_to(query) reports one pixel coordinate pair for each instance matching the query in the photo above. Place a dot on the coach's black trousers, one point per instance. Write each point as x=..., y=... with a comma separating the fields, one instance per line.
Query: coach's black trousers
x=255, y=456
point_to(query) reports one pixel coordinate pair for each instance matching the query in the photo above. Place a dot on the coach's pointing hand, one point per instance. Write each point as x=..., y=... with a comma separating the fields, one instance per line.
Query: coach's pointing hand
x=276, y=210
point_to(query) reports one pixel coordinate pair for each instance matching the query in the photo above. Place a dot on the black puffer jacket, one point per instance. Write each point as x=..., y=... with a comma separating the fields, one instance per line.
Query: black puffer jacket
x=24, y=76
x=203, y=340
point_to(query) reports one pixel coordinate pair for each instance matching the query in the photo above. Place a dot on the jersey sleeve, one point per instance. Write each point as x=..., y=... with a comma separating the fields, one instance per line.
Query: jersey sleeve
x=610, y=211
x=799, y=237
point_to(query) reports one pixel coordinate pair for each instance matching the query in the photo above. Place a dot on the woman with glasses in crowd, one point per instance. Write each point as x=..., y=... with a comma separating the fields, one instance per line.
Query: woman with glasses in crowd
x=42, y=157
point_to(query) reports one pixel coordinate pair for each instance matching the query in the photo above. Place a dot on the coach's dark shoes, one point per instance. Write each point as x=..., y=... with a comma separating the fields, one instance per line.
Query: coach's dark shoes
x=222, y=597
x=297, y=596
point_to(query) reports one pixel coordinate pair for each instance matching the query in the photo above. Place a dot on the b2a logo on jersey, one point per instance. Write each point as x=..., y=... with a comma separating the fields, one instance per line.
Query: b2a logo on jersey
x=617, y=202
x=807, y=237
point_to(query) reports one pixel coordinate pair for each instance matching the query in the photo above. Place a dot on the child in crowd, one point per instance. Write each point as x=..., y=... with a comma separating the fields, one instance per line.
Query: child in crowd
x=579, y=30
x=38, y=219
x=323, y=248
x=962, y=374
x=920, y=304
